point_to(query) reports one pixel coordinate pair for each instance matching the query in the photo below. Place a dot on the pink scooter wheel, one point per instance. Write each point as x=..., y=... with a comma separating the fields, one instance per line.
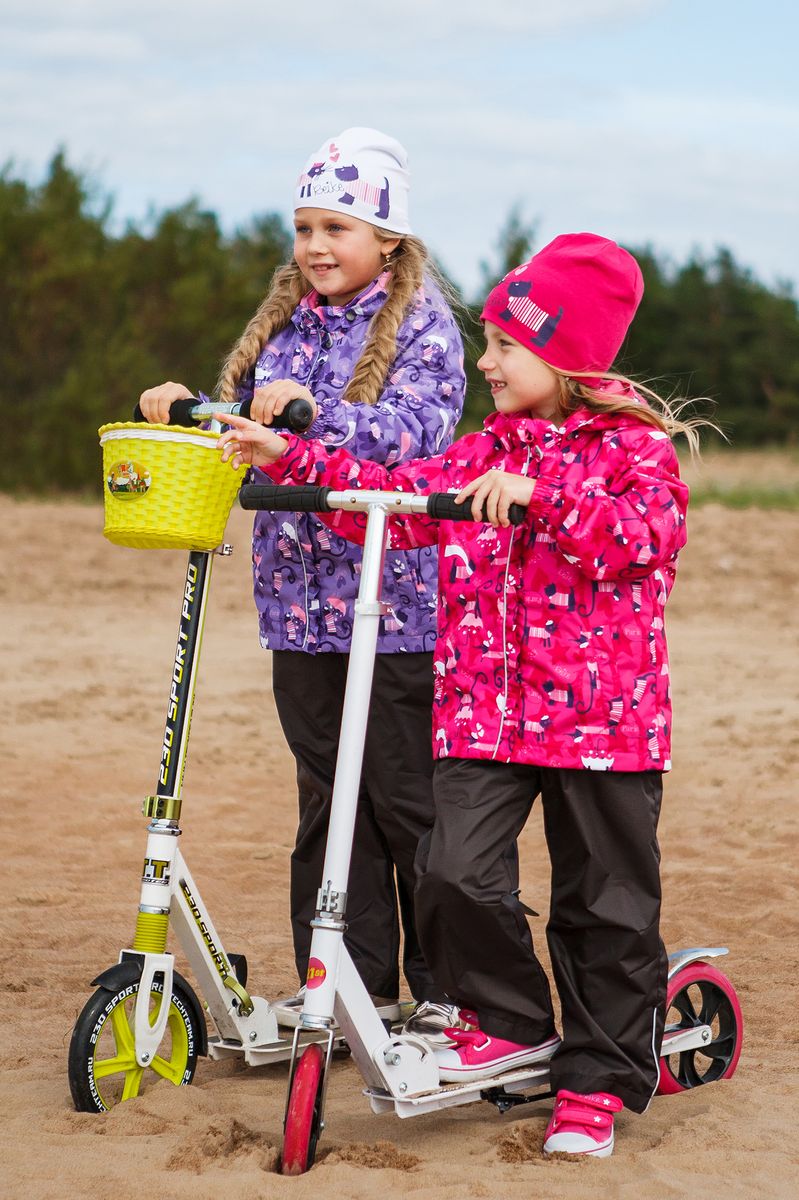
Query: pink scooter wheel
x=701, y=995
x=301, y=1131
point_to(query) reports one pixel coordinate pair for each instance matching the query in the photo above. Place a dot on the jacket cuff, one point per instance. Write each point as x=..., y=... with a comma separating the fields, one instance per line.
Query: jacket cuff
x=546, y=495
x=295, y=464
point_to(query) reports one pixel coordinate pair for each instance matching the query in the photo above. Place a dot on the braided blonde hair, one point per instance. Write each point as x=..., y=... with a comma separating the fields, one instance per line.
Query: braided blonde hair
x=665, y=415
x=272, y=314
x=408, y=263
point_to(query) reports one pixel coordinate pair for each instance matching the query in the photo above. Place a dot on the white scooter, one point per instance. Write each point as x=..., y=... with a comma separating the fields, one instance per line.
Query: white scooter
x=704, y=1026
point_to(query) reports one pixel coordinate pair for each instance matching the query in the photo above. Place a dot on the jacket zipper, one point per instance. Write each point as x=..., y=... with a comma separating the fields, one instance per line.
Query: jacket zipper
x=505, y=625
x=313, y=367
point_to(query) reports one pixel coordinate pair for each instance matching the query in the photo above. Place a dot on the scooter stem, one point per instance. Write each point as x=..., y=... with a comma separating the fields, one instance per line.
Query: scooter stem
x=368, y=611
x=328, y=925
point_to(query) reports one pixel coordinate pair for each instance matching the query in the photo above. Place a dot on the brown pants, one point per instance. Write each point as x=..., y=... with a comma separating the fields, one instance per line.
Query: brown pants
x=608, y=961
x=395, y=806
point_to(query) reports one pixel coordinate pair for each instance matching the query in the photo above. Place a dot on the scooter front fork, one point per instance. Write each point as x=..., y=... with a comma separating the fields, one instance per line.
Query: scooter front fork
x=149, y=939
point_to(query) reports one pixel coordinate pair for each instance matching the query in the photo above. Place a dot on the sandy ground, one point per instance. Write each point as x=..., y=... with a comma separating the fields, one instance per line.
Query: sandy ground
x=88, y=634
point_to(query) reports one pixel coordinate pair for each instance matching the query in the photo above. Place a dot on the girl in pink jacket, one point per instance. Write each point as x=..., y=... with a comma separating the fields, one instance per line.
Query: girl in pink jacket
x=551, y=679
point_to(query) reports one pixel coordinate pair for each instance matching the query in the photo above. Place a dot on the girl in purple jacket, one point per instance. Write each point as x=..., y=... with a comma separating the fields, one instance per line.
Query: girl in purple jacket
x=551, y=679
x=356, y=324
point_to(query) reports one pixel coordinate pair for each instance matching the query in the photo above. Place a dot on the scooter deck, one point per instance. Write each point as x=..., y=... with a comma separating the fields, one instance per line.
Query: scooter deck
x=525, y=1079
x=279, y=1051
x=452, y=1094
x=288, y=1012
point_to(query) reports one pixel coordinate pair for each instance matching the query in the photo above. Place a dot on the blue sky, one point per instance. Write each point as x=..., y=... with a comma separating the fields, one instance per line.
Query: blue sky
x=667, y=122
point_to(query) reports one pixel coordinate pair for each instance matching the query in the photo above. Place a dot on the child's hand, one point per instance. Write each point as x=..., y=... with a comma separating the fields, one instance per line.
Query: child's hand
x=268, y=402
x=156, y=402
x=497, y=490
x=248, y=442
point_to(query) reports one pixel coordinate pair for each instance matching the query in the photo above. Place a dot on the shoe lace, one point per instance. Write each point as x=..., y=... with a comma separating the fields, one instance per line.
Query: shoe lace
x=440, y=1015
x=432, y=1008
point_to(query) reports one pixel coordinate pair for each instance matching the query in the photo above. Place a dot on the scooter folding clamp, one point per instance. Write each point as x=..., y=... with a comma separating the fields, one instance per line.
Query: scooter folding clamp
x=162, y=808
x=407, y=1066
x=372, y=608
x=245, y=1003
x=330, y=901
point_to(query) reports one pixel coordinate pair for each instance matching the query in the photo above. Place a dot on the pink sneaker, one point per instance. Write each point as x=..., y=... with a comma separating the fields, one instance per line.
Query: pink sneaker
x=582, y=1123
x=477, y=1055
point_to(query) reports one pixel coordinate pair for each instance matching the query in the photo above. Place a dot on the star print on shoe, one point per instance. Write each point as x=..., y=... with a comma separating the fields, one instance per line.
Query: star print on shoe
x=582, y=1123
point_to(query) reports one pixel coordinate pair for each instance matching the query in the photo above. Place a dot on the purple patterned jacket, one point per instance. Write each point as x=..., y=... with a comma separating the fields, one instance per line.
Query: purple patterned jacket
x=306, y=577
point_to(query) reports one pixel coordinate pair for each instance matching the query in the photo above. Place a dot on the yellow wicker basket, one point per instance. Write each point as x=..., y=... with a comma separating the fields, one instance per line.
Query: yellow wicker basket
x=165, y=487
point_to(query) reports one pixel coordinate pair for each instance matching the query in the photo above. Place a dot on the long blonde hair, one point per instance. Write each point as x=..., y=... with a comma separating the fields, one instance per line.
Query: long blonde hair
x=665, y=415
x=408, y=263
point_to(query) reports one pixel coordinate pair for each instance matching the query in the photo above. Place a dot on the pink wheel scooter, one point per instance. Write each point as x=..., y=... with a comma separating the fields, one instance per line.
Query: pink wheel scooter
x=704, y=1026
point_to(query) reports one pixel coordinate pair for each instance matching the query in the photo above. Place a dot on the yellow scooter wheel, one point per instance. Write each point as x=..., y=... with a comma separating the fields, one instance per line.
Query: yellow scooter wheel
x=103, y=1070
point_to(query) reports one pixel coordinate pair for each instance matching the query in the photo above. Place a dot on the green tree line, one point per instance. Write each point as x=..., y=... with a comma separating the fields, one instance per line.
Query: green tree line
x=90, y=316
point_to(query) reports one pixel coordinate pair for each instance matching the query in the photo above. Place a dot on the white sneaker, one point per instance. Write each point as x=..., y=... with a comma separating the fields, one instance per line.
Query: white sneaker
x=431, y=1020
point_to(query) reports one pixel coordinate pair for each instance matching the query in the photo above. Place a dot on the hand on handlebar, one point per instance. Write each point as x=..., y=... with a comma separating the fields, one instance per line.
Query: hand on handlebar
x=494, y=492
x=268, y=402
x=248, y=442
x=156, y=402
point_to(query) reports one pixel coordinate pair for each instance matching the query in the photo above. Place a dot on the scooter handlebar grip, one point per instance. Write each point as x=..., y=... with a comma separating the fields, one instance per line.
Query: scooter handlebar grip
x=297, y=415
x=179, y=412
x=274, y=497
x=442, y=506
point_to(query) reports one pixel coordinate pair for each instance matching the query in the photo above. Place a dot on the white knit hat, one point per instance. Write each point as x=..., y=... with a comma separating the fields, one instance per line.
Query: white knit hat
x=362, y=172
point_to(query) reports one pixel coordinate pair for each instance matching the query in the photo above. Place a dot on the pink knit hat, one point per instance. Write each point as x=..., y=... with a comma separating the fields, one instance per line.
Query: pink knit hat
x=572, y=303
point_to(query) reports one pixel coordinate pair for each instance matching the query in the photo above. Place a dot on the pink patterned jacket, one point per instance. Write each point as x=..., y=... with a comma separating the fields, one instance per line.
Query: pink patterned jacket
x=551, y=647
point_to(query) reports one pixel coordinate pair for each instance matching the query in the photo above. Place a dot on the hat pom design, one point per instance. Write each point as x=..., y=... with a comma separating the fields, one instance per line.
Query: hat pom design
x=368, y=193
x=521, y=306
x=571, y=304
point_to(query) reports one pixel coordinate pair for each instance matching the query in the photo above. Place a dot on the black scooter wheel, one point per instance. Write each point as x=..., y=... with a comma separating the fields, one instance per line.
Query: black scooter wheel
x=102, y=1063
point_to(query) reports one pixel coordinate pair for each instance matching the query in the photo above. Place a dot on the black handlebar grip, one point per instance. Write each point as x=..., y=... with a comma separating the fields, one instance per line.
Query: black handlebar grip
x=442, y=506
x=179, y=412
x=275, y=497
x=297, y=415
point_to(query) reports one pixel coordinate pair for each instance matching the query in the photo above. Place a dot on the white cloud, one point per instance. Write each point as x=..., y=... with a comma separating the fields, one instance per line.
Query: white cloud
x=193, y=26
x=70, y=45
x=226, y=101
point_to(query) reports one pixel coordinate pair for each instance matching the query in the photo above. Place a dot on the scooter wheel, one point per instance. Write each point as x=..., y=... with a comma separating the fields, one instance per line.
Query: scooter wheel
x=701, y=995
x=303, y=1115
x=102, y=1060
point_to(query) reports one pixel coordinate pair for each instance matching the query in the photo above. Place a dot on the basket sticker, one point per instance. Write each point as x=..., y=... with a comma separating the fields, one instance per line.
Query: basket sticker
x=128, y=478
x=316, y=973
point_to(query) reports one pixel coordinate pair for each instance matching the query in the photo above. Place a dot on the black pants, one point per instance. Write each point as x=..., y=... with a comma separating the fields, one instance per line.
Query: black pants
x=608, y=960
x=395, y=806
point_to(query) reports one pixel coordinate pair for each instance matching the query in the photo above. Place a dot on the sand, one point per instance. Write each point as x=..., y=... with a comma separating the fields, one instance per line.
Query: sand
x=88, y=634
